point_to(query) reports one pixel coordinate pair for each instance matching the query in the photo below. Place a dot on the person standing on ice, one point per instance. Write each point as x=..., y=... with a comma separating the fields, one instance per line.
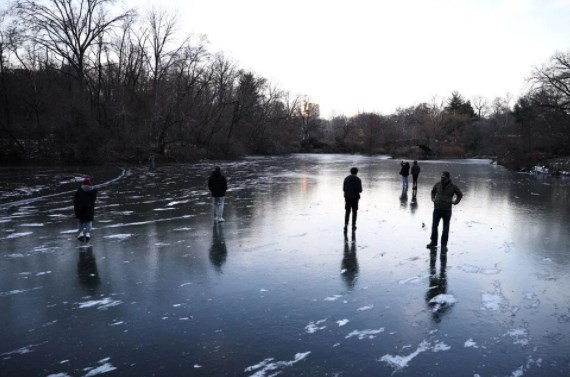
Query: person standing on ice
x=415, y=173
x=84, y=208
x=442, y=198
x=352, y=188
x=405, y=172
x=218, y=186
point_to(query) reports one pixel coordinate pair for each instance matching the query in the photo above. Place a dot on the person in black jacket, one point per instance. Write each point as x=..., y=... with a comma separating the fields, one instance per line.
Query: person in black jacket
x=218, y=186
x=415, y=173
x=405, y=172
x=84, y=208
x=442, y=197
x=352, y=188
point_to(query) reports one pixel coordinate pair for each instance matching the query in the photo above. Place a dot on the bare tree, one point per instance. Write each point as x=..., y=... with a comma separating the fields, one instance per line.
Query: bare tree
x=552, y=81
x=68, y=28
x=480, y=105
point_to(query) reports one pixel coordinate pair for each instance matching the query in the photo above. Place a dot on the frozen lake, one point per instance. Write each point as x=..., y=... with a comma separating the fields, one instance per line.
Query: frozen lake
x=162, y=291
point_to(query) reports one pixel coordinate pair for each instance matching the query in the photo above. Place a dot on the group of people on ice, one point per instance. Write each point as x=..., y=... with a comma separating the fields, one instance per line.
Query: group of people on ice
x=444, y=195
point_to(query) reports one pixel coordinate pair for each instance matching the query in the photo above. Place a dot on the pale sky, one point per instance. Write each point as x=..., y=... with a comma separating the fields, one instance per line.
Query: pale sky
x=363, y=55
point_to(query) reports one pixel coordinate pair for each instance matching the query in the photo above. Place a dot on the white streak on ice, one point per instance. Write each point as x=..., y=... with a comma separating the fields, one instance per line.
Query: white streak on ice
x=370, y=334
x=412, y=280
x=333, y=298
x=342, y=322
x=267, y=365
x=17, y=235
x=103, y=304
x=58, y=375
x=105, y=368
x=363, y=308
x=18, y=291
x=119, y=236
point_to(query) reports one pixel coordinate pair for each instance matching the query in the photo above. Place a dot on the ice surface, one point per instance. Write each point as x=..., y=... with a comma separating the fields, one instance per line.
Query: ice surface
x=263, y=277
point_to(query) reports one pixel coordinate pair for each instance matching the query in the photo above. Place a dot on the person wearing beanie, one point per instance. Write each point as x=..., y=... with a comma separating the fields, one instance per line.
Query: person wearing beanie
x=84, y=208
x=218, y=186
x=442, y=198
x=352, y=188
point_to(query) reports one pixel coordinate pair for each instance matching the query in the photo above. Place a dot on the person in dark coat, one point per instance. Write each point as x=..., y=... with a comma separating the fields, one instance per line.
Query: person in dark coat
x=84, y=208
x=352, y=188
x=405, y=172
x=442, y=197
x=415, y=173
x=218, y=186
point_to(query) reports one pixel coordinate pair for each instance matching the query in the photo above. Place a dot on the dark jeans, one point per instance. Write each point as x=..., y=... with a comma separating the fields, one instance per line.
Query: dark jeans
x=437, y=215
x=414, y=181
x=350, y=204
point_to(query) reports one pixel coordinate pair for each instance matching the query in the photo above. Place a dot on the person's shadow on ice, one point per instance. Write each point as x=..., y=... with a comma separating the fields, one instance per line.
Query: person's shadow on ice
x=349, y=265
x=437, y=285
x=218, y=250
x=404, y=198
x=87, y=269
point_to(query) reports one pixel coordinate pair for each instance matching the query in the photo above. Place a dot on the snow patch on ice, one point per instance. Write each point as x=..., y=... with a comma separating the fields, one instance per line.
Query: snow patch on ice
x=58, y=375
x=363, y=308
x=519, y=336
x=493, y=300
x=32, y=225
x=470, y=343
x=400, y=362
x=362, y=334
x=313, y=327
x=342, y=322
x=105, y=367
x=268, y=365
x=442, y=300
x=440, y=346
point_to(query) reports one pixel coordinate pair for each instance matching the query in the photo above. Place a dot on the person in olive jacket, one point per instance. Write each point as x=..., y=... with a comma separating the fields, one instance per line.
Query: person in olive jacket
x=442, y=197
x=84, y=208
x=218, y=186
x=352, y=188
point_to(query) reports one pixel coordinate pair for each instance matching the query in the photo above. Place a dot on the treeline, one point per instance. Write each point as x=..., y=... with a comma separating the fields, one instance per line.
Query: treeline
x=519, y=132
x=83, y=82
x=80, y=84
